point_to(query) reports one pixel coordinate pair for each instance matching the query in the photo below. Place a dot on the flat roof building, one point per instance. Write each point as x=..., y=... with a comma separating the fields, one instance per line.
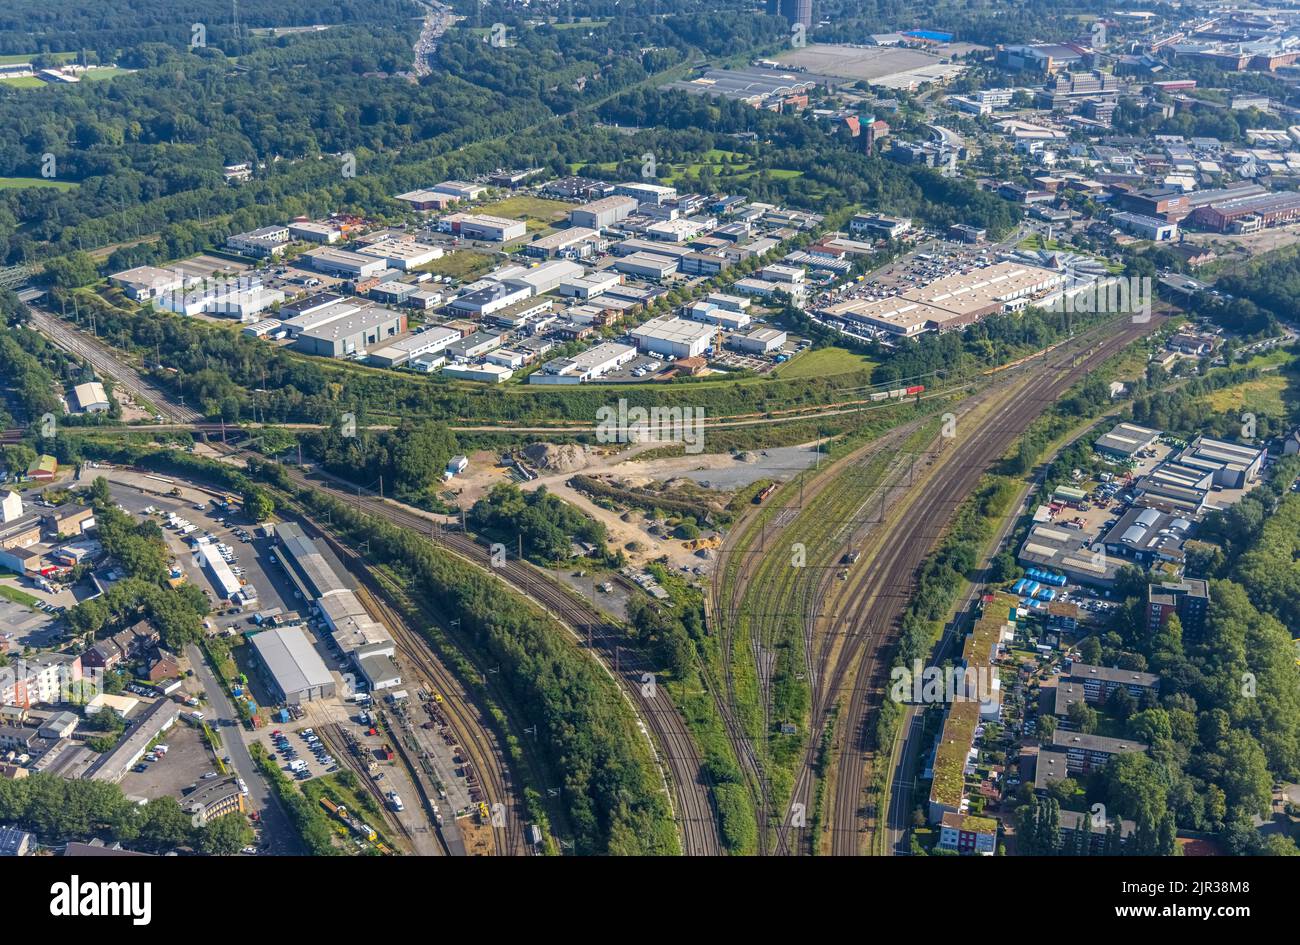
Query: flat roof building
x=295, y=671
x=341, y=262
x=402, y=254
x=346, y=328
x=603, y=213
x=430, y=341
x=587, y=366
x=1126, y=440
x=677, y=337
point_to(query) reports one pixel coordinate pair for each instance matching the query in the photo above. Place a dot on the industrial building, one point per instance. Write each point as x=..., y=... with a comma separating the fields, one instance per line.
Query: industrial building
x=577, y=242
x=427, y=200
x=144, y=283
x=91, y=398
x=345, y=264
x=1148, y=228
x=547, y=276
x=263, y=243
x=1234, y=465
x=879, y=226
x=587, y=366
x=649, y=266
x=310, y=232
x=1126, y=440
x=485, y=227
x=1053, y=547
x=603, y=213
x=402, y=254
x=492, y=297
x=483, y=373
x=655, y=194
x=472, y=346
x=214, y=798
x=113, y=765
x=952, y=302
x=759, y=341
x=430, y=341
x=347, y=329
x=589, y=287
x=715, y=315
x=295, y=672
x=462, y=190
x=676, y=337
x=1149, y=537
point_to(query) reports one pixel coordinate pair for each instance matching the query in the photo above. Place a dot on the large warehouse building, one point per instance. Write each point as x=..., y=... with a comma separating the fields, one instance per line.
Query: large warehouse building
x=294, y=670
x=603, y=213
x=677, y=337
x=344, y=327
x=952, y=302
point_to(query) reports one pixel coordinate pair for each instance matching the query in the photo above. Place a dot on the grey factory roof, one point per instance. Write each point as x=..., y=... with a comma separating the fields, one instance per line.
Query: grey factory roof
x=318, y=572
x=289, y=656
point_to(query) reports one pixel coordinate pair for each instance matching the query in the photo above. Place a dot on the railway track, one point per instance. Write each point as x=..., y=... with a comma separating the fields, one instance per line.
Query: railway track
x=833, y=651
x=689, y=795
x=727, y=608
x=109, y=363
x=471, y=734
x=476, y=740
x=878, y=600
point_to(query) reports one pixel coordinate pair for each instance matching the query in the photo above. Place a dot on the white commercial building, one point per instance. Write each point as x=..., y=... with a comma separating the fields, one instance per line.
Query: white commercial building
x=483, y=373
x=349, y=265
x=588, y=366
x=588, y=287
x=91, y=397
x=402, y=254
x=546, y=277
x=647, y=266
x=656, y=194
x=315, y=232
x=675, y=337
x=429, y=341
x=263, y=242
x=759, y=341
x=603, y=213
x=144, y=283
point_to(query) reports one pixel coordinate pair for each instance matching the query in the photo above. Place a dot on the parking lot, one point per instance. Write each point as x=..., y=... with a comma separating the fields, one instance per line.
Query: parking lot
x=252, y=556
x=298, y=751
x=20, y=626
x=186, y=762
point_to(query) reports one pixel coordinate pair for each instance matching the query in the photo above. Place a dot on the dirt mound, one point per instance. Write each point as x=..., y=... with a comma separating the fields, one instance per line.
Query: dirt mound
x=562, y=457
x=747, y=457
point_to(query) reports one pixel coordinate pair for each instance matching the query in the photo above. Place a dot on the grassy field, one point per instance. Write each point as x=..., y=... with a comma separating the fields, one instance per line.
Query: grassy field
x=14, y=183
x=23, y=82
x=1262, y=395
x=538, y=213
x=17, y=596
x=461, y=264
x=823, y=362
x=9, y=59
x=108, y=72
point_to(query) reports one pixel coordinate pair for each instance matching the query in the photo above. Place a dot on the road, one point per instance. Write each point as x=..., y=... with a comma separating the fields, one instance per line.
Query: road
x=436, y=22
x=658, y=717
x=276, y=828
